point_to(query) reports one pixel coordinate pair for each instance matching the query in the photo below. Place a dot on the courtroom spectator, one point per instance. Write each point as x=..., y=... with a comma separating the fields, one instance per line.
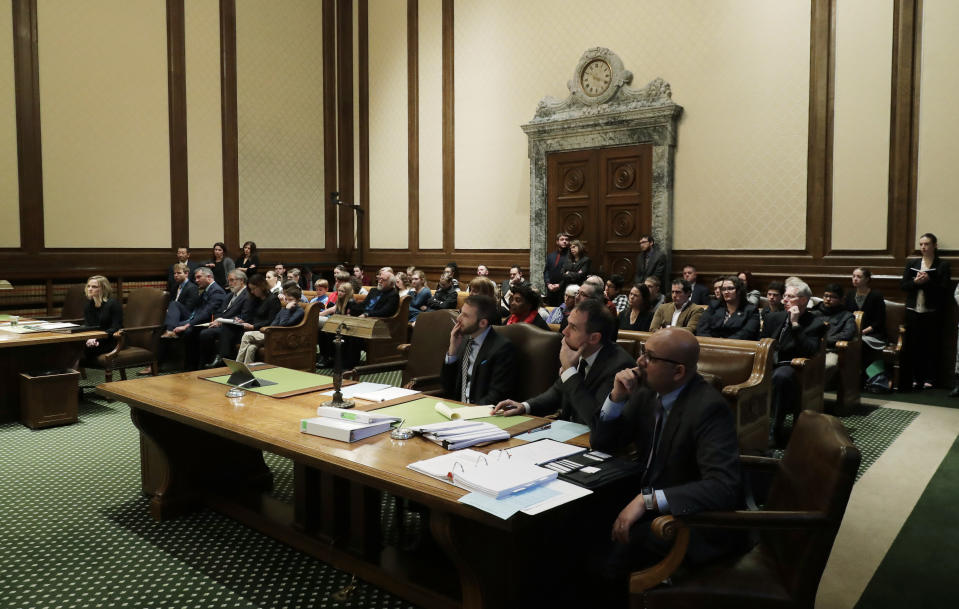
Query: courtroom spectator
x=357, y=288
x=383, y=300
x=322, y=289
x=479, y=366
x=184, y=299
x=360, y=276
x=103, y=312
x=681, y=312
x=261, y=308
x=211, y=299
x=553, y=271
x=588, y=291
x=280, y=270
x=717, y=294
x=345, y=305
x=515, y=279
x=752, y=294
x=656, y=297
x=454, y=272
x=249, y=261
x=486, y=287
x=873, y=325
x=700, y=293
x=842, y=323
x=955, y=389
x=614, y=292
x=589, y=358
x=733, y=317
x=482, y=271
x=182, y=257
x=403, y=284
x=651, y=261
x=639, y=314
x=774, y=296
x=524, y=308
x=577, y=265
x=926, y=283
x=236, y=307
x=274, y=282
x=690, y=459
x=220, y=264
x=296, y=275
x=422, y=295
x=798, y=332
x=559, y=314
x=289, y=315
x=444, y=297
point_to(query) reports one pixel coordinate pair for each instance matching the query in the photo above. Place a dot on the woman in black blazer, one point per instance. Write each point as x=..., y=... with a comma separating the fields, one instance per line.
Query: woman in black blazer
x=638, y=314
x=925, y=280
x=249, y=261
x=104, y=312
x=733, y=316
x=577, y=267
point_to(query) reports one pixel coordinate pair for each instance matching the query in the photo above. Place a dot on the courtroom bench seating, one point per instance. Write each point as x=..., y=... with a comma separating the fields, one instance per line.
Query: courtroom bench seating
x=293, y=346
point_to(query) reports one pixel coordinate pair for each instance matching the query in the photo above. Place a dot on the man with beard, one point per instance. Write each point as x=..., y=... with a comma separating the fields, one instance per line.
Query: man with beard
x=479, y=366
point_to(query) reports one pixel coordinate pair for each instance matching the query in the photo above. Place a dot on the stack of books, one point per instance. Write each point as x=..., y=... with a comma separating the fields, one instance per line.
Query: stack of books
x=346, y=425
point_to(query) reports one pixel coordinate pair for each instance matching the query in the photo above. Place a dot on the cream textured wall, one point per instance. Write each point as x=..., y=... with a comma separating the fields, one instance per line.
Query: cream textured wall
x=280, y=122
x=431, y=129
x=204, y=122
x=103, y=107
x=937, y=210
x=389, y=149
x=9, y=187
x=740, y=68
x=860, y=183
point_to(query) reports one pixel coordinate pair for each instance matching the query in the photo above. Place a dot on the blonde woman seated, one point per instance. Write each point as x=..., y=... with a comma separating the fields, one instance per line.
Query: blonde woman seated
x=290, y=315
x=103, y=312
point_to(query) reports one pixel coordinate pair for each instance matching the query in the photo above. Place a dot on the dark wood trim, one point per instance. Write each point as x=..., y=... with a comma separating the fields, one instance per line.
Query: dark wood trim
x=176, y=88
x=911, y=234
x=231, y=169
x=329, y=124
x=449, y=160
x=26, y=78
x=822, y=51
x=413, y=95
x=344, y=122
x=363, y=90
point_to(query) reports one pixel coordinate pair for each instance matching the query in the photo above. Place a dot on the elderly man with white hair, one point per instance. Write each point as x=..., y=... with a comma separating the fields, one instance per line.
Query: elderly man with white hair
x=798, y=332
x=384, y=299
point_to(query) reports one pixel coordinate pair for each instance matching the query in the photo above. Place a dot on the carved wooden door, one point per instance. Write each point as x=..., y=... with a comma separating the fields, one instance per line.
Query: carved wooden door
x=602, y=197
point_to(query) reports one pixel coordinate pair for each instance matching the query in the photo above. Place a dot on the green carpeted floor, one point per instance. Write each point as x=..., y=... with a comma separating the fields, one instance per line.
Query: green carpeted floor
x=919, y=568
x=926, y=397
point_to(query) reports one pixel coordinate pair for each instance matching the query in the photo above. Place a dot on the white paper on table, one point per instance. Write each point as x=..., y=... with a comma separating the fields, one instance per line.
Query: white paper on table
x=566, y=492
x=350, y=391
x=390, y=393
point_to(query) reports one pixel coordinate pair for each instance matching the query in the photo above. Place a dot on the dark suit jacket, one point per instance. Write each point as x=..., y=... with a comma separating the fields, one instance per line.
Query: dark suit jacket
x=741, y=325
x=553, y=273
x=385, y=303
x=189, y=295
x=171, y=282
x=237, y=308
x=873, y=311
x=700, y=294
x=842, y=326
x=697, y=461
x=211, y=300
x=579, y=399
x=653, y=264
x=576, y=272
x=795, y=342
x=936, y=290
x=493, y=376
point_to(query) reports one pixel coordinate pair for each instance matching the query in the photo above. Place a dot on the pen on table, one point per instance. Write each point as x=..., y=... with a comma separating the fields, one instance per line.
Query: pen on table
x=547, y=426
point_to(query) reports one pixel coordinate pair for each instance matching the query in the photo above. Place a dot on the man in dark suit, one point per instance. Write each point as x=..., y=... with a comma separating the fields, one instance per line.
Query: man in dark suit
x=798, y=332
x=685, y=435
x=184, y=298
x=651, y=261
x=182, y=257
x=211, y=301
x=479, y=366
x=700, y=293
x=383, y=300
x=589, y=359
x=553, y=273
x=235, y=306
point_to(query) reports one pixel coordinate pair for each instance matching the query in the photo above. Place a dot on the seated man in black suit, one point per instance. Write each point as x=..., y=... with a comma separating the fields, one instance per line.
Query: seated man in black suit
x=237, y=307
x=700, y=294
x=211, y=301
x=685, y=435
x=384, y=299
x=589, y=359
x=798, y=332
x=182, y=257
x=184, y=298
x=479, y=366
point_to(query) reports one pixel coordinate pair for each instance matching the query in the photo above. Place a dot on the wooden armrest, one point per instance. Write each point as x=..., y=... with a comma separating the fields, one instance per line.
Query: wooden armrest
x=800, y=362
x=384, y=367
x=754, y=380
x=761, y=519
x=138, y=329
x=665, y=527
x=842, y=345
x=404, y=349
x=416, y=381
x=757, y=461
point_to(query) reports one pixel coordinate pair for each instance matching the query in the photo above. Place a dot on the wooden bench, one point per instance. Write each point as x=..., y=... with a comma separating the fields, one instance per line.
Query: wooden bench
x=742, y=370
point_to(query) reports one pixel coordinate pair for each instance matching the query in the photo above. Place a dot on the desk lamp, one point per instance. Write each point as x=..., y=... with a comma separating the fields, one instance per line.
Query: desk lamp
x=359, y=327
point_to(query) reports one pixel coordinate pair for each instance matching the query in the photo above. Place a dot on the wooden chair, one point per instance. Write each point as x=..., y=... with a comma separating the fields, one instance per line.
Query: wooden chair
x=847, y=376
x=811, y=377
x=895, y=334
x=421, y=358
x=139, y=340
x=384, y=350
x=537, y=358
x=461, y=297
x=74, y=301
x=293, y=346
x=797, y=527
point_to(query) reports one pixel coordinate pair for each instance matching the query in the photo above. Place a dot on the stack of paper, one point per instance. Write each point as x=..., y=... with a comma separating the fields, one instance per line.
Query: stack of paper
x=345, y=425
x=475, y=471
x=382, y=395
x=462, y=434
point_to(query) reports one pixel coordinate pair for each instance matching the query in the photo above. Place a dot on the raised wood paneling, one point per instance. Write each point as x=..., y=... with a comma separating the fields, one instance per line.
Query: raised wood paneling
x=176, y=85
x=29, y=150
x=231, y=168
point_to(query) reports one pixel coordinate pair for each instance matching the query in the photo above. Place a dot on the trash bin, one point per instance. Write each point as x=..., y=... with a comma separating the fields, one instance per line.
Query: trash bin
x=48, y=397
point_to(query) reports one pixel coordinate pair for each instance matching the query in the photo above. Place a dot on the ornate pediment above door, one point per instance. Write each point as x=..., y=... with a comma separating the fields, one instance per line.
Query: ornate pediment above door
x=602, y=111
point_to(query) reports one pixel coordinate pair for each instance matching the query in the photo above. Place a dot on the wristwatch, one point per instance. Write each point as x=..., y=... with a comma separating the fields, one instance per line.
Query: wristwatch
x=648, y=499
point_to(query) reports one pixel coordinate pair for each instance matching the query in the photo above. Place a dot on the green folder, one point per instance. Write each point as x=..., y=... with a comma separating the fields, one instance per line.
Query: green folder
x=287, y=381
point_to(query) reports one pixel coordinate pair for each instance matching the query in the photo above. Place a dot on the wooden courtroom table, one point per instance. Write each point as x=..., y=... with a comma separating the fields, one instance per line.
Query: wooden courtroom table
x=199, y=447
x=30, y=353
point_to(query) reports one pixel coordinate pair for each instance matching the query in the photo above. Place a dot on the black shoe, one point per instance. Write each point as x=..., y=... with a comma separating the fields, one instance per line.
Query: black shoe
x=216, y=363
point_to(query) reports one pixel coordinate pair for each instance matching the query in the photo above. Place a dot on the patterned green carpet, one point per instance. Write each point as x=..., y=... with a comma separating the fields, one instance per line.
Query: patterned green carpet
x=76, y=533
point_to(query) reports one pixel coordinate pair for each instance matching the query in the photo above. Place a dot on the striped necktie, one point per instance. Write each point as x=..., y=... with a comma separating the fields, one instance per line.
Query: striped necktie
x=467, y=366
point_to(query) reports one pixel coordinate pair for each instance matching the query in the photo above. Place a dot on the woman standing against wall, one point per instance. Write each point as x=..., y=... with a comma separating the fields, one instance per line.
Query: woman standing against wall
x=925, y=281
